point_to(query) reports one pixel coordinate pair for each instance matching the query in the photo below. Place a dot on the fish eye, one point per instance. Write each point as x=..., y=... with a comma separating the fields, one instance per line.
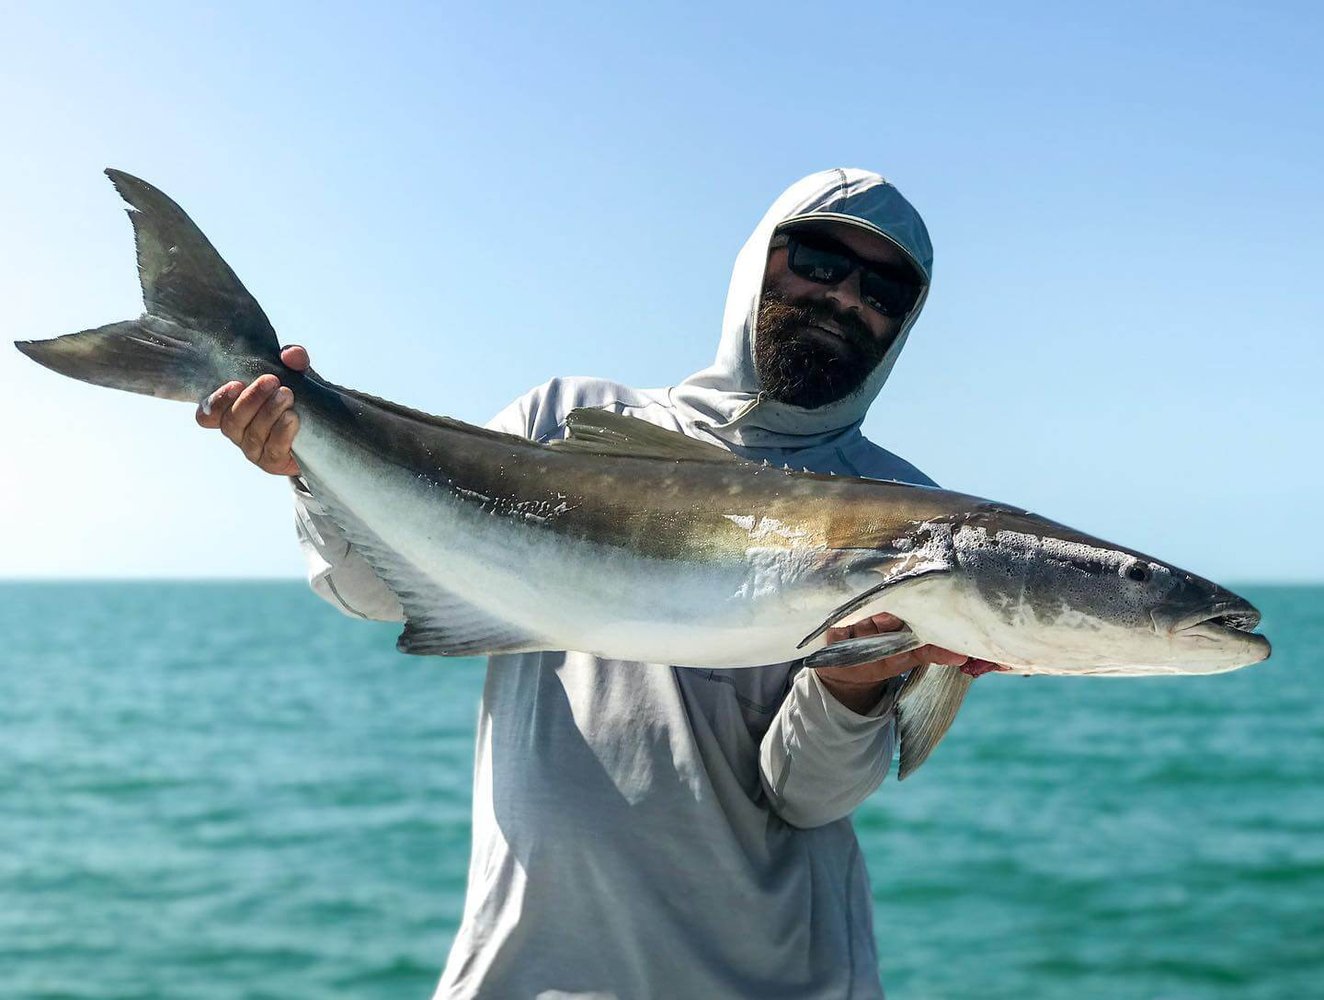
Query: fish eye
x=1138, y=572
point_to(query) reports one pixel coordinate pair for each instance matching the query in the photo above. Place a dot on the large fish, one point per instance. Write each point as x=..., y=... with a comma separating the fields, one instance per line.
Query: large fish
x=663, y=548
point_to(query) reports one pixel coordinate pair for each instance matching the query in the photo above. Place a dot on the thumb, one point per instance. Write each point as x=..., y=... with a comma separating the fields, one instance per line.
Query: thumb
x=295, y=357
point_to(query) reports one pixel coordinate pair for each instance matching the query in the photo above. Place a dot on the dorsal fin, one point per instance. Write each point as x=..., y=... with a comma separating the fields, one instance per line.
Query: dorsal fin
x=601, y=432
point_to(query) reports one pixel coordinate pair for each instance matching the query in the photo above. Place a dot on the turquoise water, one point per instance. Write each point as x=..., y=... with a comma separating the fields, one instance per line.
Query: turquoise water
x=227, y=790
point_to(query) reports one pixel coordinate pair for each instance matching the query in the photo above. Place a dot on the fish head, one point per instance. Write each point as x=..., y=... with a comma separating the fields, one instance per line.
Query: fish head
x=1055, y=600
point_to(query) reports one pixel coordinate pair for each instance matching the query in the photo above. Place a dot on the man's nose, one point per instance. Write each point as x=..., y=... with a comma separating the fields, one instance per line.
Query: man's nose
x=846, y=293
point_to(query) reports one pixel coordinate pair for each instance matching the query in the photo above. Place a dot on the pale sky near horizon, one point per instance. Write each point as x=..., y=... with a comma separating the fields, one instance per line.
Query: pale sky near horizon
x=451, y=203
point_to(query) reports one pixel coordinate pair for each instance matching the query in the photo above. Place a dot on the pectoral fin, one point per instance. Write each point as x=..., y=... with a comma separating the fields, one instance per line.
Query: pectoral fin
x=926, y=708
x=864, y=649
x=898, y=575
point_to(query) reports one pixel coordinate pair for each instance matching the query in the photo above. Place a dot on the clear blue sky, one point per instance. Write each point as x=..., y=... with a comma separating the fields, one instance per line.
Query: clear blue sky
x=449, y=203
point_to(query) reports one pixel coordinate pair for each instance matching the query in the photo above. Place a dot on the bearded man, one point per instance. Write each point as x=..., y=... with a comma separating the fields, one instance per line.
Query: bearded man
x=645, y=830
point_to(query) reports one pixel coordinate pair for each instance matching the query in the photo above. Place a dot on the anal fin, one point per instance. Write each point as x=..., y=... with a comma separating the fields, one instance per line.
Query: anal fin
x=448, y=626
x=926, y=709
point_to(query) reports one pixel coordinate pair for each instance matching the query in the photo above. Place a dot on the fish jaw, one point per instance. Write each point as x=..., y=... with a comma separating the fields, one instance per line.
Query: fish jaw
x=1217, y=625
x=1224, y=647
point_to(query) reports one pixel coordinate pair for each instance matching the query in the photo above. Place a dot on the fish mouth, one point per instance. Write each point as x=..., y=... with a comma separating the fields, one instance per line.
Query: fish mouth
x=1233, y=621
x=1229, y=616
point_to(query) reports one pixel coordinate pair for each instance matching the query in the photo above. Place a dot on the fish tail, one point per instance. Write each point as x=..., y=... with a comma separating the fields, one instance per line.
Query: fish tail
x=201, y=327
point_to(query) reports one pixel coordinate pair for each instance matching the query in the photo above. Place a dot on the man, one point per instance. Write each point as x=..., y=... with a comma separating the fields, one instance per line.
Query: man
x=642, y=830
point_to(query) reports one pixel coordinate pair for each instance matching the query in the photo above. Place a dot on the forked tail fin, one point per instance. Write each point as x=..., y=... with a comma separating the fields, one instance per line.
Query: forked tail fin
x=201, y=327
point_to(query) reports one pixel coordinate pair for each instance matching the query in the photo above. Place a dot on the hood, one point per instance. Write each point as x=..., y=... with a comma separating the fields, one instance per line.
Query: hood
x=725, y=398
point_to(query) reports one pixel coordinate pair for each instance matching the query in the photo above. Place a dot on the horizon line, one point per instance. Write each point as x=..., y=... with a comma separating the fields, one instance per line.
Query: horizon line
x=11, y=580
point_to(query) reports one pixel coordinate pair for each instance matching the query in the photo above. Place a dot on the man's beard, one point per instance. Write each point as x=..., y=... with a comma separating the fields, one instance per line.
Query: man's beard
x=808, y=369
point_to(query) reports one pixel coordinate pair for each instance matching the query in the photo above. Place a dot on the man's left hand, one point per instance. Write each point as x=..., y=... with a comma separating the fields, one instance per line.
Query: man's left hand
x=859, y=687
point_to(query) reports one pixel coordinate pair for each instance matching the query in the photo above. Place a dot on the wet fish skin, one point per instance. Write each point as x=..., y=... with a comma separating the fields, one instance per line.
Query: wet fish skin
x=665, y=549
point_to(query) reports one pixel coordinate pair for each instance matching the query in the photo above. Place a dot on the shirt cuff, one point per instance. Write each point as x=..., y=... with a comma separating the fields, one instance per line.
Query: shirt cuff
x=882, y=710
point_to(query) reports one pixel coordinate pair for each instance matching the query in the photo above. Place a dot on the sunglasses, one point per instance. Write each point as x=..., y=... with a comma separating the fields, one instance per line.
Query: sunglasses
x=890, y=291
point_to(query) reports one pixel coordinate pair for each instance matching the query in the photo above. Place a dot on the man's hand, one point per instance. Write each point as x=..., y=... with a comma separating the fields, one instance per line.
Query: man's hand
x=257, y=417
x=860, y=687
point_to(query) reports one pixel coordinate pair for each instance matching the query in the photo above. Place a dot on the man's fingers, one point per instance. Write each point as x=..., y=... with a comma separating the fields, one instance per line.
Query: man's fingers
x=936, y=654
x=869, y=626
x=857, y=631
x=215, y=406
x=893, y=666
x=837, y=634
x=887, y=623
x=295, y=357
x=259, y=428
x=235, y=423
x=258, y=417
x=277, y=458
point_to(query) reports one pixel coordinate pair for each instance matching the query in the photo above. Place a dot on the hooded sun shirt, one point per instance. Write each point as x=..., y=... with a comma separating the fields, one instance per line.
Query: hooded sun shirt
x=644, y=830
x=724, y=399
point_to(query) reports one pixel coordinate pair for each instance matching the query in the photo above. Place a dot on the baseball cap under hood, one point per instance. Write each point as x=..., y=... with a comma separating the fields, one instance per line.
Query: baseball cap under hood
x=725, y=398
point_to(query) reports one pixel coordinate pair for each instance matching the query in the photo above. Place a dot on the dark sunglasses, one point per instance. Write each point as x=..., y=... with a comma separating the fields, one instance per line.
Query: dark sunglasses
x=892, y=292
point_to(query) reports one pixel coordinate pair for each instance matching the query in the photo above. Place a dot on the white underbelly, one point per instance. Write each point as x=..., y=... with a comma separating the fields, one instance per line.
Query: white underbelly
x=574, y=594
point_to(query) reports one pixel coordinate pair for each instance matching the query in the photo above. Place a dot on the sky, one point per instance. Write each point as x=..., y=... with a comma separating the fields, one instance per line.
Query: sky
x=451, y=203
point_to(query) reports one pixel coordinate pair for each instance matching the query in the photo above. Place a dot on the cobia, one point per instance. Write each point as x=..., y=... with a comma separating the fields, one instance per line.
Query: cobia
x=665, y=549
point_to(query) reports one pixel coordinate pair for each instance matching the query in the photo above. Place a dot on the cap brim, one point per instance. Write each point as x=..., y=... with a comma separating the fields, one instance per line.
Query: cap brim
x=814, y=220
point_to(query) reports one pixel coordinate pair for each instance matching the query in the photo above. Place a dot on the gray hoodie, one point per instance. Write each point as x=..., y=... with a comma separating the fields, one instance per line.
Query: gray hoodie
x=644, y=830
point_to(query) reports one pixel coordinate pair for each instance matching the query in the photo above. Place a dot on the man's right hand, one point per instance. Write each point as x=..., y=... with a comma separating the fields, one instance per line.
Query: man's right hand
x=258, y=416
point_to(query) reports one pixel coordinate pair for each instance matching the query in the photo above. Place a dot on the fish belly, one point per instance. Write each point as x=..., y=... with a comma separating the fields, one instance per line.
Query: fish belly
x=567, y=592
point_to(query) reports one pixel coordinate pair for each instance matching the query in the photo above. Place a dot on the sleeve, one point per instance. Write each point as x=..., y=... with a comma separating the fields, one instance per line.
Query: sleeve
x=336, y=572
x=819, y=760
x=342, y=577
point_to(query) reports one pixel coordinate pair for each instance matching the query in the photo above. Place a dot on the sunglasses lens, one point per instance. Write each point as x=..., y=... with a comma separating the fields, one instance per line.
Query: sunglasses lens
x=886, y=292
x=890, y=296
x=816, y=263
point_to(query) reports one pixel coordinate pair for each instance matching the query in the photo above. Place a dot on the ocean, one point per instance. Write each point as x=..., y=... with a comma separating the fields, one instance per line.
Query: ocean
x=227, y=790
